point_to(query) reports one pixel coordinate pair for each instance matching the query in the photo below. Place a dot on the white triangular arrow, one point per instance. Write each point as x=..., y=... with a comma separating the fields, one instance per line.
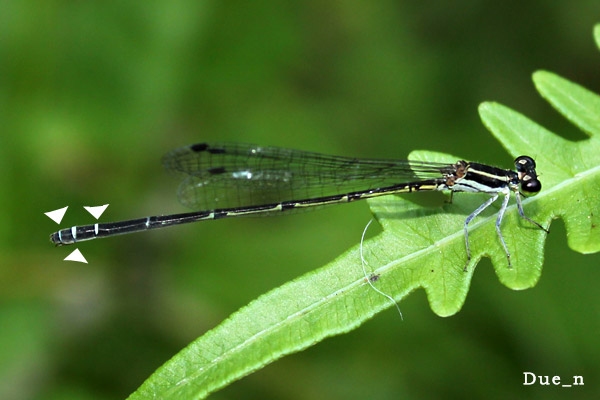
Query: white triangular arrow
x=96, y=211
x=57, y=215
x=76, y=256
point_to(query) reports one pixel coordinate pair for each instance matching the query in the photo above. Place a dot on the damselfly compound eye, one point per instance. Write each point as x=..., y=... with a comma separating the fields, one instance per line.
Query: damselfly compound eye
x=524, y=164
x=530, y=187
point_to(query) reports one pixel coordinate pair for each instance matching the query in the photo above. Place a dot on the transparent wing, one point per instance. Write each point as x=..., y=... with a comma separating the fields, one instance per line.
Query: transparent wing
x=225, y=175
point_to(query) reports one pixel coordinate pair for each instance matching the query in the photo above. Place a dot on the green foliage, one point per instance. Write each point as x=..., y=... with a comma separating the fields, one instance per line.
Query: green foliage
x=419, y=247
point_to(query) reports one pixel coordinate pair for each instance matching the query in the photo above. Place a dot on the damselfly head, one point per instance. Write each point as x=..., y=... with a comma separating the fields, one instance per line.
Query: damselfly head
x=529, y=183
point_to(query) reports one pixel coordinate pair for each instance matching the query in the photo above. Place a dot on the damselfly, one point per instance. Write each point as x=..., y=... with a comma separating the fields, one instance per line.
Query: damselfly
x=230, y=180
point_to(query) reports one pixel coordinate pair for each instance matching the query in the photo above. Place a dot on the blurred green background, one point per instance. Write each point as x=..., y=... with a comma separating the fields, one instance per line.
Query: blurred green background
x=93, y=93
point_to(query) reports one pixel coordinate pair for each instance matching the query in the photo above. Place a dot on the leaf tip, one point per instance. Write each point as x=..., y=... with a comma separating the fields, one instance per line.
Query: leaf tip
x=543, y=79
x=483, y=106
x=541, y=75
x=486, y=107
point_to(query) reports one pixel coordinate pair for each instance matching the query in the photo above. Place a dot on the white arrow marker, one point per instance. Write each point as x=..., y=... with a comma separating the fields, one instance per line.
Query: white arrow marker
x=57, y=215
x=96, y=211
x=76, y=256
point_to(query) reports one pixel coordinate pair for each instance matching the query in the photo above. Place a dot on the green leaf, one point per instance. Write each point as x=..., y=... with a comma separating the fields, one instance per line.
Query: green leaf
x=419, y=247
